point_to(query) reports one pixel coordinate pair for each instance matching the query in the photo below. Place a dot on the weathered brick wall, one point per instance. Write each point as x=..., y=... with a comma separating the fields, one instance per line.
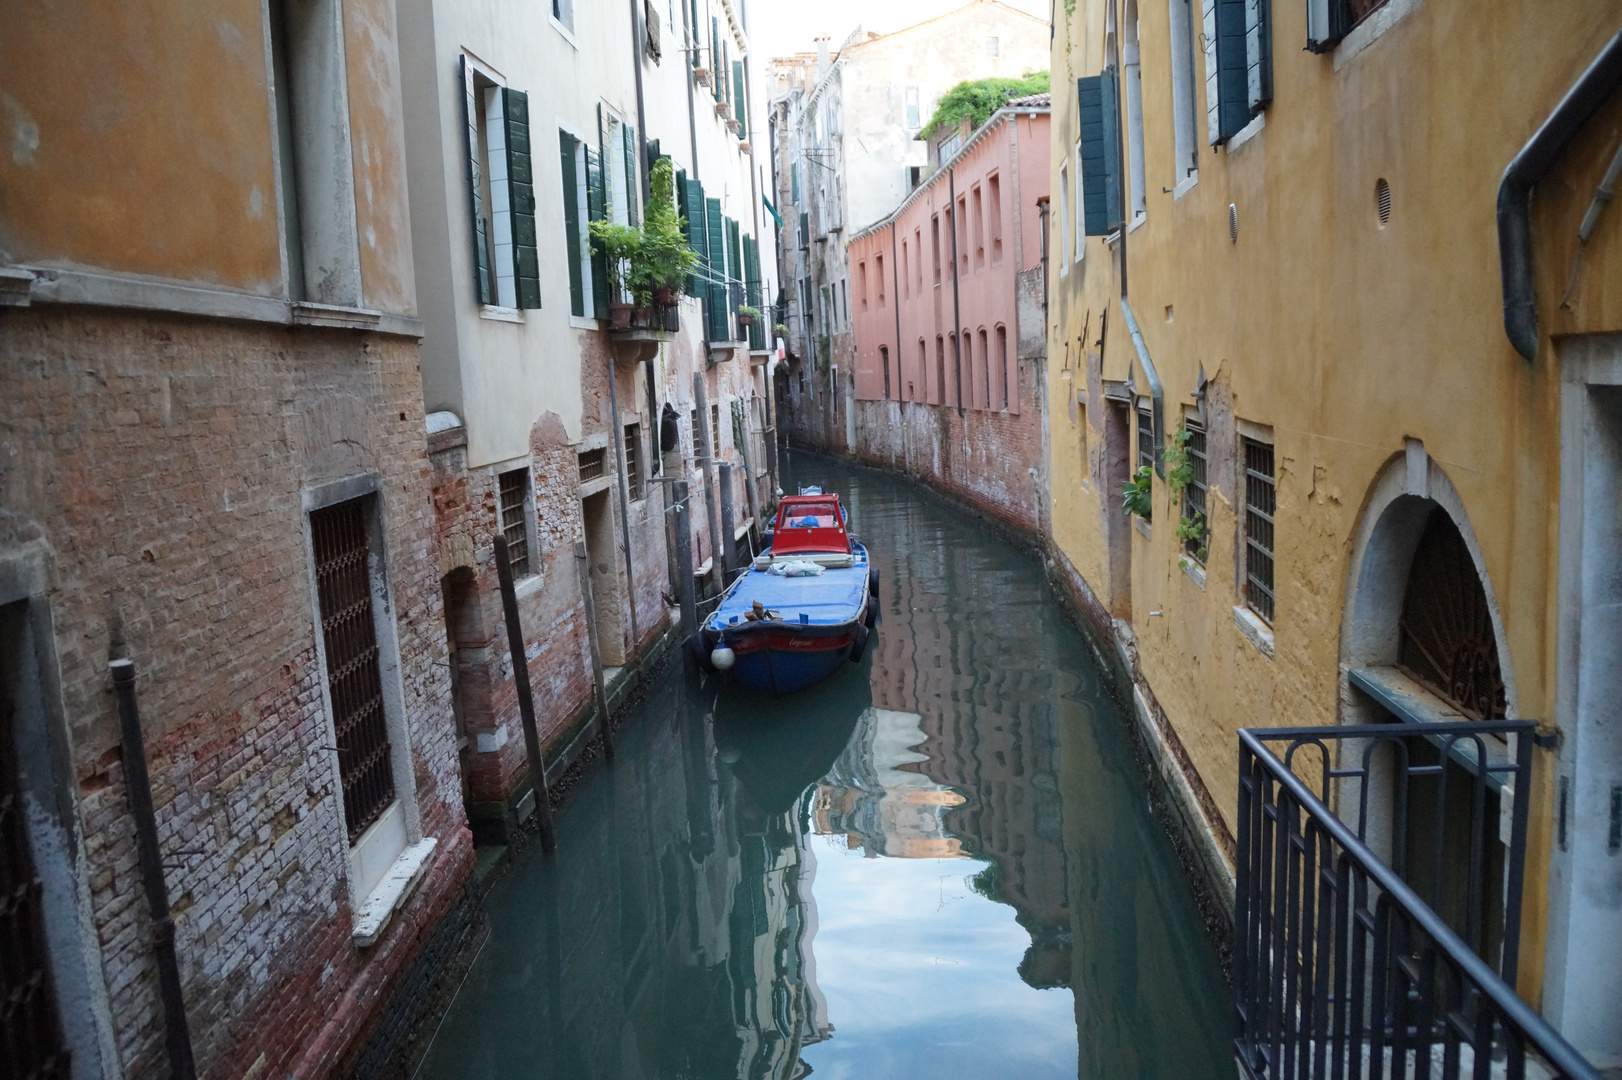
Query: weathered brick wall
x=162, y=459
x=983, y=457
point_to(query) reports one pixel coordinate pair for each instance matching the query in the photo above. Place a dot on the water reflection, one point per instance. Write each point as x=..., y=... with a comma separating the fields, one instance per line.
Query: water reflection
x=939, y=863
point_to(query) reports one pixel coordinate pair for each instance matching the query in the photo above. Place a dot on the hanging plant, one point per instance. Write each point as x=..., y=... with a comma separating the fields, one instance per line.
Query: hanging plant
x=1137, y=493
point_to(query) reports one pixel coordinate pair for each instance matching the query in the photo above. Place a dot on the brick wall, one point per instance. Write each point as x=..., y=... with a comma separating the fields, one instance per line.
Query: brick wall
x=162, y=459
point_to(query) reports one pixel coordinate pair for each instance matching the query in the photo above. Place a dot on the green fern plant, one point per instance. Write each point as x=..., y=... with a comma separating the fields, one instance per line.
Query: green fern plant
x=1137, y=493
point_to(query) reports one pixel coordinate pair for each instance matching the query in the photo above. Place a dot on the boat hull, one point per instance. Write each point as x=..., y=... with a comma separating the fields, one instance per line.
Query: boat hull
x=787, y=661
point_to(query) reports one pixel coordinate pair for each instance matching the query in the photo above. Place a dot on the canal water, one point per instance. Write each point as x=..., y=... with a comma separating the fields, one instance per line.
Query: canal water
x=939, y=863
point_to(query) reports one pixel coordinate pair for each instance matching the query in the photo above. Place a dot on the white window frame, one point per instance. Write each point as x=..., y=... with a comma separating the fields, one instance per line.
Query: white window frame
x=1080, y=211
x=1064, y=216
x=503, y=284
x=561, y=14
x=583, y=215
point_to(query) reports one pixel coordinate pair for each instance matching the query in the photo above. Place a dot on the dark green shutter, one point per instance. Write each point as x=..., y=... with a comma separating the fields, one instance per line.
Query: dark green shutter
x=1233, y=91
x=738, y=109
x=717, y=77
x=521, y=190
x=697, y=234
x=567, y=151
x=805, y=229
x=633, y=189
x=651, y=155
x=735, y=251
x=597, y=207
x=1327, y=22
x=1100, y=154
x=481, y=261
x=1258, y=54
x=716, y=238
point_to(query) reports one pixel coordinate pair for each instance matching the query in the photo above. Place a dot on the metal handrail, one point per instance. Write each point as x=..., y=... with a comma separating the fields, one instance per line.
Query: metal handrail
x=1315, y=926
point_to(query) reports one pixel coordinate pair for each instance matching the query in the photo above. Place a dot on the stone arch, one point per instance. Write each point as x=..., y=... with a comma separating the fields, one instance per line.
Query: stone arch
x=1410, y=487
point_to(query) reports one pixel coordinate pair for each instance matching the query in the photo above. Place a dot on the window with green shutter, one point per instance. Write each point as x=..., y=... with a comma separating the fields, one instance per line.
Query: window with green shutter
x=1330, y=20
x=1100, y=146
x=633, y=189
x=573, y=232
x=501, y=192
x=1258, y=54
x=697, y=234
x=597, y=209
x=717, y=79
x=1238, y=64
x=739, y=112
x=472, y=115
x=521, y=198
x=720, y=324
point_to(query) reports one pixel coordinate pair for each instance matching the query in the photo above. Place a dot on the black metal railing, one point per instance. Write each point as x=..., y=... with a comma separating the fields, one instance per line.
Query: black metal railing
x=1351, y=964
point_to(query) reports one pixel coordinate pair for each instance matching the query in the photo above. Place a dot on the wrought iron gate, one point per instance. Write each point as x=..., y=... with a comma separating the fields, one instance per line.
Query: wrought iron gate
x=341, y=537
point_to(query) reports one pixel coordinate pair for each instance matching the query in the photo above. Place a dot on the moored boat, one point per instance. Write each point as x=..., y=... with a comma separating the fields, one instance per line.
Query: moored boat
x=804, y=606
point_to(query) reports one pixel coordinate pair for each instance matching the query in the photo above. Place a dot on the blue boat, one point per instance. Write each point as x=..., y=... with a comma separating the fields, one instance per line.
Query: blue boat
x=804, y=606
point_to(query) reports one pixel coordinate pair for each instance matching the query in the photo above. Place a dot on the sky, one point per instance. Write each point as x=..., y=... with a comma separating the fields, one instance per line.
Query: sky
x=782, y=27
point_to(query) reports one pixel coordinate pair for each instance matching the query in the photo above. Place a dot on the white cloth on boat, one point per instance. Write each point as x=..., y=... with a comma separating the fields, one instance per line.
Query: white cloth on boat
x=795, y=569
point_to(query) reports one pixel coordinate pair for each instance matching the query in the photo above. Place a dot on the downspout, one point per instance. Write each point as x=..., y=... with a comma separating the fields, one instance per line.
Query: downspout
x=1529, y=166
x=625, y=506
x=1156, y=395
x=957, y=315
x=638, y=51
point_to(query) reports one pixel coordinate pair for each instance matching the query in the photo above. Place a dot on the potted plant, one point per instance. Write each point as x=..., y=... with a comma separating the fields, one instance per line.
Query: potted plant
x=747, y=315
x=701, y=75
x=621, y=247
x=664, y=259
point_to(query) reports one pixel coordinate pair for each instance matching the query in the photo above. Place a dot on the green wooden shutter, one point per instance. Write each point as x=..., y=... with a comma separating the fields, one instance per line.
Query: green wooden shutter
x=716, y=237
x=1327, y=22
x=633, y=188
x=597, y=207
x=738, y=109
x=1227, y=79
x=567, y=152
x=805, y=229
x=1258, y=54
x=697, y=235
x=717, y=78
x=521, y=188
x=1100, y=154
x=483, y=283
x=735, y=252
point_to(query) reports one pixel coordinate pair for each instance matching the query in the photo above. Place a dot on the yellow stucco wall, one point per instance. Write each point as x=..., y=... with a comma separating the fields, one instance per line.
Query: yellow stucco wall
x=1344, y=336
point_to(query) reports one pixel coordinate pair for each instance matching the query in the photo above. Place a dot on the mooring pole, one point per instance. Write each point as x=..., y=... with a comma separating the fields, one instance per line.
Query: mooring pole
x=583, y=561
x=138, y=790
x=706, y=458
x=684, y=562
x=526, y=702
x=729, y=545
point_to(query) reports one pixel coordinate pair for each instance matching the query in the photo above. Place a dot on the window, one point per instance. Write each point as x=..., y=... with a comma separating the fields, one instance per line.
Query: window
x=1330, y=20
x=1081, y=209
x=1098, y=157
x=698, y=440
x=923, y=370
x=1194, y=494
x=1146, y=435
x=1002, y=364
x=878, y=269
x=502, y=193
x=884, y=362
x=576, y=212
x=861, y=280
x=993, y=47
x=918, y=252
x=1238, y=65
x=906, y=271
x=1064, y=214
x=1132, y=84
x=935, y=244
x=940, y=369
x=914, y=113
x=960, y=234
x=1260, y=498
x=593, y=464
x=513, y=509
x=1182, y=89
x=633, y=461
x=715, y=429
x=994, y=196
x=563, y=12
x=979, y=228
x=340, y=538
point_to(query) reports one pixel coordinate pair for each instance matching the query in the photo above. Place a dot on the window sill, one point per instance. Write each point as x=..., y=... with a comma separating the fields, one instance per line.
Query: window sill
x=1195, y=572
x=567, y=34
x=527, y=587
x=1142, y=526
x=1185, y=185
x=1137, y=221
x=1248, y=132
x=398, y=882
x=1254, y=630
x=1370, y=29
x=580, y=322
x=497, y=313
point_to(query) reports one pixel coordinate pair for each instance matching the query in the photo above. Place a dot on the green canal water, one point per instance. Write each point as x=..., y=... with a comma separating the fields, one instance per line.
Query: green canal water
x=939, y=863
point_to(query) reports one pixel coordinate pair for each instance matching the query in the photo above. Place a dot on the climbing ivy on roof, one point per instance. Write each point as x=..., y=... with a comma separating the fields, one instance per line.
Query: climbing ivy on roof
x=977, y=99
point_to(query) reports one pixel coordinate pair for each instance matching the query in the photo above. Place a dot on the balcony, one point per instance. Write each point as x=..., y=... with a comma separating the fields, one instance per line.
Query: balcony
x=1378, y=905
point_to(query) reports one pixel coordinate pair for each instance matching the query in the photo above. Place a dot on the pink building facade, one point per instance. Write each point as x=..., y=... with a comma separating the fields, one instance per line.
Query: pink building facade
x=946, y=311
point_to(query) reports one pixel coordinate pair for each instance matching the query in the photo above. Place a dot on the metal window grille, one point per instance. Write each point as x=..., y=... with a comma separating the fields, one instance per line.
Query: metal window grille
x=715, y=430
x=593, y=464
x=633, y=460
x=342, y=541
x=30, y=1033
x=1445, y=637
x=514, y=521
x=698, y=445
x=1194, y=495
x=1146, y=438
x=1260, y=499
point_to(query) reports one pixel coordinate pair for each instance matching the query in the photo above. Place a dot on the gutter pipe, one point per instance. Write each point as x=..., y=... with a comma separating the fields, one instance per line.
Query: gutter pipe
x=1156, y=394
x=1529, y=166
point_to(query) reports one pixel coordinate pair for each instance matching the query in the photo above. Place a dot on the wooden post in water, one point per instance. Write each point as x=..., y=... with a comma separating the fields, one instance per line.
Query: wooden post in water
x=583, y=561
x=729, y=543
x=684, y=563
x=526, y=702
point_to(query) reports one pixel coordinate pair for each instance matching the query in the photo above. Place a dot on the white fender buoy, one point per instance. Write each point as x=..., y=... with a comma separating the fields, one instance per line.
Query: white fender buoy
x=722, y=657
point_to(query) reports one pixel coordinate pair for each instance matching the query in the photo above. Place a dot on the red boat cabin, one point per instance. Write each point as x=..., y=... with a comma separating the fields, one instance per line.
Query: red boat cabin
x=811, y=524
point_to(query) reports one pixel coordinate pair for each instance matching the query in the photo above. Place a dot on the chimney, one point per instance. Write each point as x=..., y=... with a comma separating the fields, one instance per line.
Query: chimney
x=822, y=54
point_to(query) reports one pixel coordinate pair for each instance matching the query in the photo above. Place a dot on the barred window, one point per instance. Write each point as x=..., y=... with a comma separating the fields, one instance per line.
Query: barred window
x=633, y=460
x=514, y=487
x=593, y=464
x=698, y=442
x=1260, y=498
x=1194, y=495
x=1146, y=437
x=715, y=430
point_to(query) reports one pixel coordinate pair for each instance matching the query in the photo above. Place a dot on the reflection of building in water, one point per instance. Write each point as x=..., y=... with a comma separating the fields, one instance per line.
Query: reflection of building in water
x=987, y=726
x=879, y=805
x=670, y=936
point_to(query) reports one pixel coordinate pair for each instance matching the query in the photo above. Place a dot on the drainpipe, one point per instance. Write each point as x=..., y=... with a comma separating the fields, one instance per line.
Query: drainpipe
x=1529, y=166
x=138, y=790
x=1156, y=395
x=638, y=51
x=618, y=436
x=957, y=315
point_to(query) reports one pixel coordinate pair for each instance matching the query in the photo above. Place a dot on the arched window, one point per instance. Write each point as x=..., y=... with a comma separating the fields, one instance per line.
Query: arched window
x=1445, y=635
